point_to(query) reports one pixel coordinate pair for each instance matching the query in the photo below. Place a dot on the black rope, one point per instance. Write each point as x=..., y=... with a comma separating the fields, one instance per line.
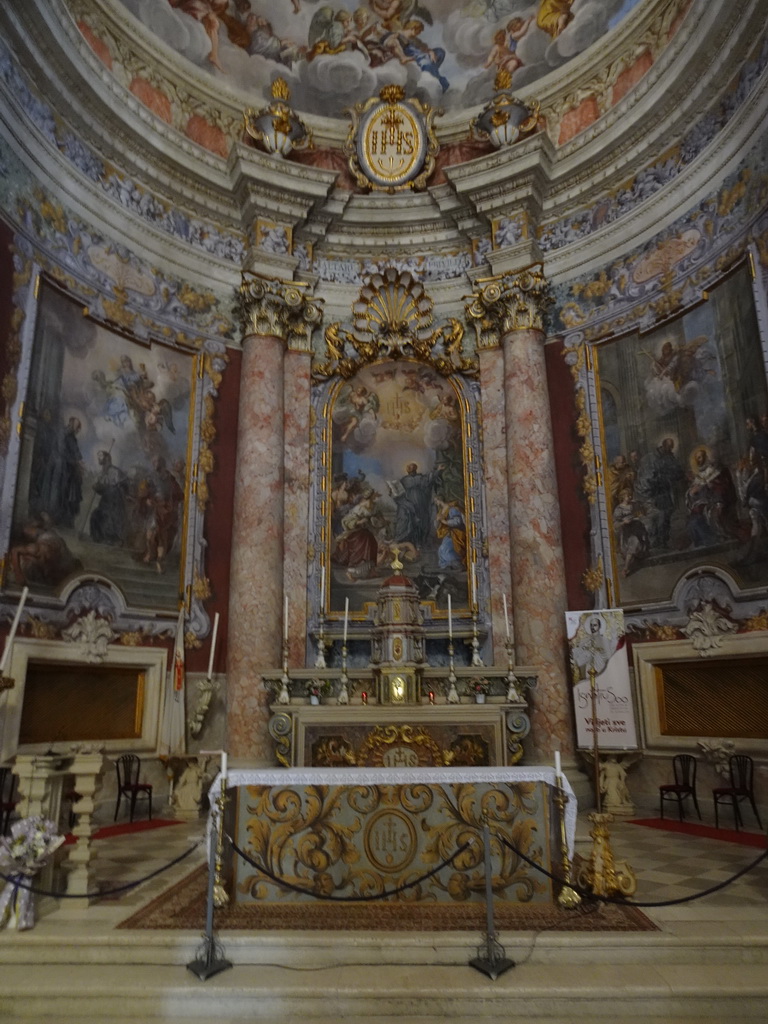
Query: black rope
x=347, y=899
x=622, y=901
x=15, y=881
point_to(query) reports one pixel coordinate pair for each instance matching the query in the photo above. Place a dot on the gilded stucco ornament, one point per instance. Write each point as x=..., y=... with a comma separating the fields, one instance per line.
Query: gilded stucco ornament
x=393, y=320
x=515, y=301
x=505, y=119
x=391, y=144
x=272, y=308
x=277, y=127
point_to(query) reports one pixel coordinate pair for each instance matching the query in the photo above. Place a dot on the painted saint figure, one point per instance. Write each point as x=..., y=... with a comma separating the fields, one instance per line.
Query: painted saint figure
x=413, y=498
x=109, y=518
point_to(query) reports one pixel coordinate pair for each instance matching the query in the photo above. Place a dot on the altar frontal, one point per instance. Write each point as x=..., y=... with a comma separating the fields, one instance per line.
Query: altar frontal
x=357, y=835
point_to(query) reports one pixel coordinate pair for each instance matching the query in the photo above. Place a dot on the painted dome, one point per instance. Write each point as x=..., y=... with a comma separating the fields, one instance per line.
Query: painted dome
x=444, y=52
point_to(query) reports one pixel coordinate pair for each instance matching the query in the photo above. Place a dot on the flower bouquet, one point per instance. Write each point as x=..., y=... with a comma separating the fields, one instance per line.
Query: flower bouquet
x=317, y=688
x=22, y=854
x=479, y=688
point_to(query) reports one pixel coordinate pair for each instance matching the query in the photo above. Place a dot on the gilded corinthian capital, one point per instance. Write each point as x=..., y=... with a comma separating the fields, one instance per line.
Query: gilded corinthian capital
x=515, y=301
x=279, y=309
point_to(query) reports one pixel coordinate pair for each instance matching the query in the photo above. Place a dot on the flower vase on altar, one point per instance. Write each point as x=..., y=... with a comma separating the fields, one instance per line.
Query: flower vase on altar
x=22, y=854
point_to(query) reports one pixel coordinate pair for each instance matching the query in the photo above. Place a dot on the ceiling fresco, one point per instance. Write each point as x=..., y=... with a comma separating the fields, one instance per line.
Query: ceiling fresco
x=445, y=52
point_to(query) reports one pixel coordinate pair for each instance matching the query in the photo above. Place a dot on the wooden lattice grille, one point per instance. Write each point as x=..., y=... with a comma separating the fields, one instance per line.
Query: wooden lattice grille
x=723, y=698
x=70, y=703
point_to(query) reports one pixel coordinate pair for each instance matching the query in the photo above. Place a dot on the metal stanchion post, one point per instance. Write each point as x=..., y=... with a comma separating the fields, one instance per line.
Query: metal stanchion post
x=210, y=959
x=494, y=962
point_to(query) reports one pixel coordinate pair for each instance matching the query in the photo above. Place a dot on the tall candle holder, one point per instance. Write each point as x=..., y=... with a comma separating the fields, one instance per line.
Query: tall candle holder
x=512, y=692
x=476, y=659
x=568, y=898
x=453, y=695
x=284, y=696
x=320, y=656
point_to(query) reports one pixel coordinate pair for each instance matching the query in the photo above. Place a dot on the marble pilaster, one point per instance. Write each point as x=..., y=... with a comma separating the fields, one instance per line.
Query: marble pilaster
x=509, y=312
x=297, y=461
x=496, y=495
x=268, y=560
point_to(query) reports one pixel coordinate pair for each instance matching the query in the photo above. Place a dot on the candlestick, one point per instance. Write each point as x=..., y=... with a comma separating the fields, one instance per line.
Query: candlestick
x=450, y=619
x=322, y=589
x=474, y=586
x=213, y=644
x=285, y=620
x=557, y=763
x=346, y=618
x=14, y=627
x=506, y=615
x=223, y=770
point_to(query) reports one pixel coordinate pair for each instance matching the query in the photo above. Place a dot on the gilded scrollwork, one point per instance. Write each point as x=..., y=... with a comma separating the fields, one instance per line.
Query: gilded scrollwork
x=359, y=841
x=515, y=301
x=273, y=308
x=393, y=318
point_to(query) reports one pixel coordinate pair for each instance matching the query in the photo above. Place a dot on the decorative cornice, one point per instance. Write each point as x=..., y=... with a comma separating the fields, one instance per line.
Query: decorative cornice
x=516, y=301
x=278, y=309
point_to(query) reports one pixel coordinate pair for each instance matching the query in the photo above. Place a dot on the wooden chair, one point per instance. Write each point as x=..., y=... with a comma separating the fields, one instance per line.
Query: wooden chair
x=128, y=768
x=7, y=798
x=741, y=769
x=684, y=768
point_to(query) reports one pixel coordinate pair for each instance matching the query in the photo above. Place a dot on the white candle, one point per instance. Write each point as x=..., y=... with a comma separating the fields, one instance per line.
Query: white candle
x=474, y=586
x=223, y=771
x=14, y=626
x=346, y=617
x=506, y=615
x=213, y=644
x=558, y=770
x=322, y=588
x=285, y=620
x=450, y=619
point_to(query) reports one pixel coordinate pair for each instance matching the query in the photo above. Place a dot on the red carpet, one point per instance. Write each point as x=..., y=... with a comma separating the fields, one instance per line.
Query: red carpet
x=126, y=827
x=689, y=828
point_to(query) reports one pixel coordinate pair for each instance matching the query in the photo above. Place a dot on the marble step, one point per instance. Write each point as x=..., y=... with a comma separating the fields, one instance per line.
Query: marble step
x=120, y=994
x=321, y=950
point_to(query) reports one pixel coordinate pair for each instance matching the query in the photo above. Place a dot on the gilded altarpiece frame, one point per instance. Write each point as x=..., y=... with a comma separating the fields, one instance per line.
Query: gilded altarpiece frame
x=397, y=464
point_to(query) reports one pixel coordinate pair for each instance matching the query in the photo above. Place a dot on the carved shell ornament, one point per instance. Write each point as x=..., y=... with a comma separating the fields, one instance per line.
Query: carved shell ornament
x=393, y=319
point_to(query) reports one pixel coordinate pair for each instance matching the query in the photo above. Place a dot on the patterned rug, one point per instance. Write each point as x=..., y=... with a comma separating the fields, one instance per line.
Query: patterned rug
x=126, y=828
x=692, y=828
x=183, y=906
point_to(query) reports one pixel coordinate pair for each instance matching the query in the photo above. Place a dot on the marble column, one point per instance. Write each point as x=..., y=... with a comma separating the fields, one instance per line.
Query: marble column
x=276, y=317
x=515, y=305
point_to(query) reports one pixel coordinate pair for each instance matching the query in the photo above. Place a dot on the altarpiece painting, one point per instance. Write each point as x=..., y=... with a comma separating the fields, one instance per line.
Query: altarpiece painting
x=397, y=484
x=103, y=459
x=684, y=416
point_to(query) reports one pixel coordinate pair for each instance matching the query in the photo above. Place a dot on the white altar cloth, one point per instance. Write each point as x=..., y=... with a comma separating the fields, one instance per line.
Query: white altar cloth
x=281, y=777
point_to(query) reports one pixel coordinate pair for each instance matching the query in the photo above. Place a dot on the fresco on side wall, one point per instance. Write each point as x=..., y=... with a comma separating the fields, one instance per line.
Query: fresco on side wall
x=397, y=480
x=102, y=468
x=685, y=440
x=445, y=52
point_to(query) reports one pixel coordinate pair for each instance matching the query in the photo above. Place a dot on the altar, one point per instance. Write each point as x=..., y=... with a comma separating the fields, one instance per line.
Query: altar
x=414, y=834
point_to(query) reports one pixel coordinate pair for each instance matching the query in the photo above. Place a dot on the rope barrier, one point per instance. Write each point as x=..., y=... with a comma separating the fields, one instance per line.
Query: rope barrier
x=630, y=903
x=15, y=880
x=346, y=899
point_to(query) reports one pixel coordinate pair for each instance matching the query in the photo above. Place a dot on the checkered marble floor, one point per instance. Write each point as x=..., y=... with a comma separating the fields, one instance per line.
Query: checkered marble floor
x=669, y=867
